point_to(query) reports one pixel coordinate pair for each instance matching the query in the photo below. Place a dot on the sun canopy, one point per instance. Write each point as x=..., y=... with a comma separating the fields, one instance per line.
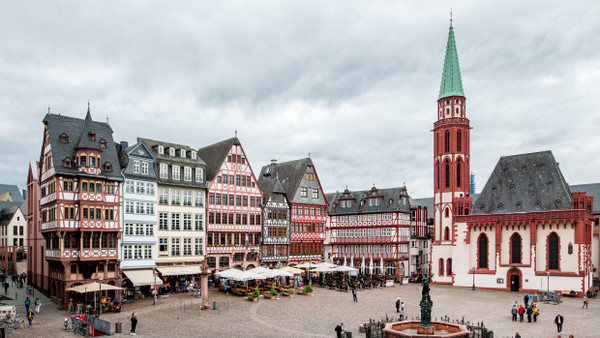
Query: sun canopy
x=323, y=269
x=291, y=269
x=270, y=273
x=178, y=270
x=326, y=265
x=306, y=265
x=229, y=273
x=344, y=268
x=93, y=287
x=142, y=277
x=248, y=275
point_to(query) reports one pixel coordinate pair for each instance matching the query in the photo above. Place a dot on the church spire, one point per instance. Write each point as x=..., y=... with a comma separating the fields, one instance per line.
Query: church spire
x=451, y=79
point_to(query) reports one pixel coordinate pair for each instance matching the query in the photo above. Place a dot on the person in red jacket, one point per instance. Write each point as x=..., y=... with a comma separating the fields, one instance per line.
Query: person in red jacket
x=521, y=312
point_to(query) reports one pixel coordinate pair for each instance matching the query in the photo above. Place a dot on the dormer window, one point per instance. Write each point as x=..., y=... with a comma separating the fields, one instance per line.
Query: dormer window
x=172, y=152
x=193, y=155
x=161, y=150
x=64, y=138
x=102, y=143
x=107, y=166
x=92, y=136
x=182, y=153
x=67, y=162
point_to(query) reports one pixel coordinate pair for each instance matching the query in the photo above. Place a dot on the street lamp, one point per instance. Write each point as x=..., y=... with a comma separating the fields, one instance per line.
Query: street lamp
x=155, y=273
x=473, y=270
x=100, y=288
x=548, y=274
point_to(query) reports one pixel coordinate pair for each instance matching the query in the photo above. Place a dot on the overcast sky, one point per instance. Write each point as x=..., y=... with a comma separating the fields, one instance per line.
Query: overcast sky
x=353, y=83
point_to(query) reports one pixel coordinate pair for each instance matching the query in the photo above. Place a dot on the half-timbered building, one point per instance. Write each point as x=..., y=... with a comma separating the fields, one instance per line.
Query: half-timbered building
x=372, y=224
x=308, y=208
x=80, y=203
x=234, y=207
x=276, y=222
x=181, y=189
x=421, y=230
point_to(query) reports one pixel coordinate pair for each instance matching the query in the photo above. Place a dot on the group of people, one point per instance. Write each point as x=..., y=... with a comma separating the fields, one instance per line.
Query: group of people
x=28, y=311
x=531, y=310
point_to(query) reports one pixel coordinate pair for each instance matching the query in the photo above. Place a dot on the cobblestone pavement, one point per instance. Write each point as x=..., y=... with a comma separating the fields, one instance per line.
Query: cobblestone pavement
x=317, y=315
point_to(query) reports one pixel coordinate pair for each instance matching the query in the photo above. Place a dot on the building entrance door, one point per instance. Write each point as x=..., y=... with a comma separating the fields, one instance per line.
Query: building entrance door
x=514, y=283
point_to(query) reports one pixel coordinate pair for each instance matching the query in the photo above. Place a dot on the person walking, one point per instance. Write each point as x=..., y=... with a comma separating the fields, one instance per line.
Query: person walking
x=514, y=311
x=526, y=299
x=559, y=321
x=536, y=312
x=354, y=295
x=29, y=317
x=38, y=304
x=27, y=303
x=585, y=302
x=338, y=330
x=397, y=304
x=133, y=324
x=402, y=306
x=5, y=287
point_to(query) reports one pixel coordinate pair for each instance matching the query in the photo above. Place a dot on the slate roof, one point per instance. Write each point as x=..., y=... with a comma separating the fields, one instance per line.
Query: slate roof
x=7, y=209
x=270, y=186
x=391, y=196
x=290, y=174
x=331, y=198
x=215, y=154
x=13, y=190
x=74, y=128
x=592, y=189
x=524, y=183
x=88, y=129
x=424, y=202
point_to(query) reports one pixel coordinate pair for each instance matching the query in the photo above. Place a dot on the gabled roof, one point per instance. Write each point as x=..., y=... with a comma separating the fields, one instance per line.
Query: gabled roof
x=13, y=191
x=523, y=183
x=215, y=154
x=451, y=79
x=85, y=142
x=74, y=127
x=331, y=198
x=392, y=201
x=270, y=186
x=290, y=174
x=592, y=189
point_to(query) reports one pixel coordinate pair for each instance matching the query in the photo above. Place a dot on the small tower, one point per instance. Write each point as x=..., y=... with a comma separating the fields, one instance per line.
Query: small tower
x=451, y=160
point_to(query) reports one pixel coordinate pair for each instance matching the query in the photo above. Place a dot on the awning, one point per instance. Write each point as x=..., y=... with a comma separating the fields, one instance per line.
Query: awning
x=177, y=270
x=142, y=277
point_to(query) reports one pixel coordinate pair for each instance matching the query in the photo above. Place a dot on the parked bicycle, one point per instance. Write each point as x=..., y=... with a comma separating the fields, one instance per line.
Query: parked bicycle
x=69, y=325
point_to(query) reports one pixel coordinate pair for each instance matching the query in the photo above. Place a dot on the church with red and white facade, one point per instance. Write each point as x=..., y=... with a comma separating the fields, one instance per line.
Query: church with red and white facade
x=527, y=230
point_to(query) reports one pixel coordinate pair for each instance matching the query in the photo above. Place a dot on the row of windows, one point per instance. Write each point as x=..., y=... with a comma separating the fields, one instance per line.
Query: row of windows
x=364, y=218
x=277, y=214
x=447, y=141
x=225, y=218
x=139, y=208
x=277, y=231
x=87, y=240
x=306, y=249
x=175, y=220
x=178, y=196
x=139, y=229
x=274, y=250
x=49, y=214
x=459, y=173
x=300, y=210
x=84, y=160
x=182, y=152
x=141, y=167
x=377, y=232
x=233, y=238
x=307, y=227
x=239, y=180
x=89, y=186
x=233, y=200
x=137, y=252
x=515, y=251
x=364, y=249
x=140, y=188
x=176, y=173
x=304, y=192
x=180, y=246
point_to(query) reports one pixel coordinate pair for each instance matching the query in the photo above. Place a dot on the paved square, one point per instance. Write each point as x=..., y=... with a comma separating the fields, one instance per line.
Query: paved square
x=317, y=315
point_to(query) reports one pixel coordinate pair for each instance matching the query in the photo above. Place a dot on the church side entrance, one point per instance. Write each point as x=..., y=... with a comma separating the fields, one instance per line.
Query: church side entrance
x=514, y=278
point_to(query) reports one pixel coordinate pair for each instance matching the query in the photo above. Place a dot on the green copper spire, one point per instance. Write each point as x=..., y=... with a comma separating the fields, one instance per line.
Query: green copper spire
x=451, y=80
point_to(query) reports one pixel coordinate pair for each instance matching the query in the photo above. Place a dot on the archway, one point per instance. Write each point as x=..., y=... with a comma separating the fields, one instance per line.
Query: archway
x=514, y=279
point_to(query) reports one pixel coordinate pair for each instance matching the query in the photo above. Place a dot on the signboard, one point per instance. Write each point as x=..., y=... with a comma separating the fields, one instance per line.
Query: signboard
x=91, y=330
x=389, y=283
x=500, y=280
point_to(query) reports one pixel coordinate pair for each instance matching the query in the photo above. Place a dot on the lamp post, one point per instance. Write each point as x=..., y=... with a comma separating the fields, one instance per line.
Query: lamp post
x=548, y=284
x=100, y=288
x=473, y=270
x=155, y=273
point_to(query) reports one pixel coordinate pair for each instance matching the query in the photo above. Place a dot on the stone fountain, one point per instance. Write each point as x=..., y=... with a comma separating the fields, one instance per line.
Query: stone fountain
x=425, y=327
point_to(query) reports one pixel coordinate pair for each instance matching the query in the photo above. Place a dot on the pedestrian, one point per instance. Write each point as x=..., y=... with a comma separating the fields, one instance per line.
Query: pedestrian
x=27, y=303
x=402, y=306
x=338, y=330
x=529, y=313
x=521, y=312
x=585, y=302
x=514, y=311
x=38, y=304
x=397, y=304
x=536, y=312
x=559, y=321
x=5, y=287
x=517, y=335
x=29, y=317
x=70, y=305
x=354, y=295
x=133, y=324
x=526, y=299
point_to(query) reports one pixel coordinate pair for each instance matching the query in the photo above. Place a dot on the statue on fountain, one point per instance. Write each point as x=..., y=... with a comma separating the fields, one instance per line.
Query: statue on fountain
x=426, y=304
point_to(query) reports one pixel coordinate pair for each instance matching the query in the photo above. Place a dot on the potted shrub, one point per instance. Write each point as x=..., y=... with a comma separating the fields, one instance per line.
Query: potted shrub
x=273, y=292
x=254, y=295
x=291, y=293
x=308, y=289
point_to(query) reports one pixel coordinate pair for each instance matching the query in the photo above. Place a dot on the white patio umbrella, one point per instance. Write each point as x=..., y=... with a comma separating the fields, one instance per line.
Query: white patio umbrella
x=344, y=260
x=248, y=275
x=306, y=265
x=344, y=269
x=229, y=273
x=326, y=265
x=371, y=266
x=363, y=267
x=352, y=261
x=381, y=272
x=324, y=269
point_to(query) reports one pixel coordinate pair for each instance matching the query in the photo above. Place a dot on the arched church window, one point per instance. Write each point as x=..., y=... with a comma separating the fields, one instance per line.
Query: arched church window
x=458, y=141
x=483, y=252
x=447, y=141
x=458, y=174
x=553, y=246
x=447, y=213
x=570, y=249
x=515, y=249
x=447, y=175
x=446, y=234
x=441, y=266
x=449, y=266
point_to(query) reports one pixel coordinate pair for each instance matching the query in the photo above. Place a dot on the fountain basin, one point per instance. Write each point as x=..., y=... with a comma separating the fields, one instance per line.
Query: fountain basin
x=411, y=328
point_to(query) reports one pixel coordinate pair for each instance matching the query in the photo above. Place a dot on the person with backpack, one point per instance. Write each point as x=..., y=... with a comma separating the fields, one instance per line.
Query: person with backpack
x=29, y=317
x=585, y=302
x=27, y=303
x=38, y=304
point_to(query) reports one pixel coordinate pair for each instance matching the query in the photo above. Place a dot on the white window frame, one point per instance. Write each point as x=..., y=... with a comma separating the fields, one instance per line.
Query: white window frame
x=172, y=152
x=182, y=153
x=161, y=149
x=198, y=174
x=136, y=167
x=193, y=155
x=176, y=173
x=187, y=174
x=164, y=170
x=145, y=168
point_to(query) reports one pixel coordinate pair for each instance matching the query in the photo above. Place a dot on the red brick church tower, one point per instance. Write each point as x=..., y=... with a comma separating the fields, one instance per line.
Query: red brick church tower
x=451, y=162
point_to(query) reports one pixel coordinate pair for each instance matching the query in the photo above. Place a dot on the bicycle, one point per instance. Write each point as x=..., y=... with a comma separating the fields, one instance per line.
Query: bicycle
x=69, y=325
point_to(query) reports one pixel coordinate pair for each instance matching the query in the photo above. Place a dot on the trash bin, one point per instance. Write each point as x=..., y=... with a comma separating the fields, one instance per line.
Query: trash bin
x=118, y=327
x=348, y=334
x=535, y=298
x=215, y=305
